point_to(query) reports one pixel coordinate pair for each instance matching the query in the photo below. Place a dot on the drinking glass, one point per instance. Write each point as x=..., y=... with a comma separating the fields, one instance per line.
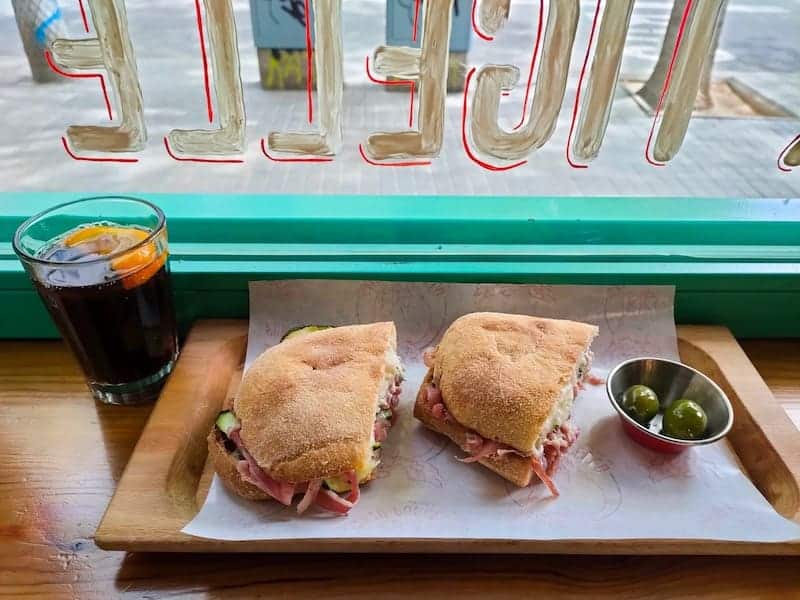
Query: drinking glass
x=100, y=267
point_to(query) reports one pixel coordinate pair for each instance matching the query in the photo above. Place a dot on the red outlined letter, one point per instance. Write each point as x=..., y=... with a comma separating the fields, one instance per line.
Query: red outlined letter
x=406, y=64
x=111, y=50
x=329, y=58
x=229, y=138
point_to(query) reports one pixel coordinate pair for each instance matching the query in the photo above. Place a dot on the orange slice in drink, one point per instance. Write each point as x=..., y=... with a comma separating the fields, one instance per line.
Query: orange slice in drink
x=99, y=233
x=146, y=256
x=142, y=263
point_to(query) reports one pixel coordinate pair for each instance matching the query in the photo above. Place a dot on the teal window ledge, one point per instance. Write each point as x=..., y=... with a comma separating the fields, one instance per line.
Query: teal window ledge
x=733, y=261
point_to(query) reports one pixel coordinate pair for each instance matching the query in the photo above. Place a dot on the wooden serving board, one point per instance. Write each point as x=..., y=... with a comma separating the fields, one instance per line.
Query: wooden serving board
x=167, y=477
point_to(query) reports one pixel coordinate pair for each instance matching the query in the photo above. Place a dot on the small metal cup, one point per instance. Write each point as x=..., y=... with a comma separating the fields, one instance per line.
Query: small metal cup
x=670, y=380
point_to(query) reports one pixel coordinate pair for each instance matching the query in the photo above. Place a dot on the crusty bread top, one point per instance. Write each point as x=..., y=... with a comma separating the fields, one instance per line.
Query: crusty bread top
x=501, y=374
x=307, y=405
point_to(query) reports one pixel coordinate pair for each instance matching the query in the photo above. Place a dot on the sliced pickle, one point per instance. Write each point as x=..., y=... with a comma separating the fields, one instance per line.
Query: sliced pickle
x=227, y=422
x=341, y=484
x=337, y=484
x=304, y=330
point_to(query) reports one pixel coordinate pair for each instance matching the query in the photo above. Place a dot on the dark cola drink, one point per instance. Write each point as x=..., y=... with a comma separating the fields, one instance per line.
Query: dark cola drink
x=107, y=288
x=125, y=326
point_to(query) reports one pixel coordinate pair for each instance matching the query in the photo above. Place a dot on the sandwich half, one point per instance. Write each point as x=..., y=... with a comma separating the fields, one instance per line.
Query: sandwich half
x=502, y=387
x=310, y=416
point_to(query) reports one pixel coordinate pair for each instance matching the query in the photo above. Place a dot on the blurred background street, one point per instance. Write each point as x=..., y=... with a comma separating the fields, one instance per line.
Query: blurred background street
x=759, y=48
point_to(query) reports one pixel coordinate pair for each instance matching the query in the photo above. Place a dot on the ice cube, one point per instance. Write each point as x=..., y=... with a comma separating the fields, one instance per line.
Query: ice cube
x=64, y=254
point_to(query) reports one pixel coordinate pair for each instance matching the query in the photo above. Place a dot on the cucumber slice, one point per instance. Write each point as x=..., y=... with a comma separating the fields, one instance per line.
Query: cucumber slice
x=341, y=485
x=305, y=329
x=337, y=484
x=227, y=421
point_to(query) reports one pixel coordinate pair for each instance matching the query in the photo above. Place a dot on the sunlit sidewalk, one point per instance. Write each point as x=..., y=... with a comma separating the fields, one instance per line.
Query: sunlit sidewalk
x=721, y=157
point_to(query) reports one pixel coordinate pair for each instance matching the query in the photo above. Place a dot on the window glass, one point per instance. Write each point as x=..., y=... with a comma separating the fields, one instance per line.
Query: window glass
x=746, y=111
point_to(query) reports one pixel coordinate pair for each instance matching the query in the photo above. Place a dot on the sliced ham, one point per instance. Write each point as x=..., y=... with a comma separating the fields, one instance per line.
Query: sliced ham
x=310, y=496
x=381, y=429
x=504, y=451
x=594, y=380
x=555, y=445
x=382, y=425
x=487, y=449
x=472, y=442
x=433, y=395
x=541, y=474
x=355, y=492
x=279, y=490
x=433, y=399
x=332, y=502
x=392, y=399
x=551, y=455
x=440, y=412
x=282, y=491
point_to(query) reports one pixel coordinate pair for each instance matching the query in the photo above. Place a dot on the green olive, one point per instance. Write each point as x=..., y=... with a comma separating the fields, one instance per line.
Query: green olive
x=684, y=419
x=641, y=403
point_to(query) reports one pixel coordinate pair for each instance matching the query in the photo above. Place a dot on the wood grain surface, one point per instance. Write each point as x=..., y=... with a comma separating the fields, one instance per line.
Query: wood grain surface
x=164, y=483
x=61, y=455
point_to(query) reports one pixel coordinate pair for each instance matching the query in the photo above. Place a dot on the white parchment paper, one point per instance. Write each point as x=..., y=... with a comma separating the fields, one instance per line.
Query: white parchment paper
x=610, y=487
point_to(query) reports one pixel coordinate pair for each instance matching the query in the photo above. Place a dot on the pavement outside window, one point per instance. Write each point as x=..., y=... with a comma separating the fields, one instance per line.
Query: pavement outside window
x=731, y=155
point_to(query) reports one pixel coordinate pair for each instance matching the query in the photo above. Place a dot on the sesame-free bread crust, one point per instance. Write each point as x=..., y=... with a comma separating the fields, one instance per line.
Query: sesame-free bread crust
x=307, y=405
x=501, y=374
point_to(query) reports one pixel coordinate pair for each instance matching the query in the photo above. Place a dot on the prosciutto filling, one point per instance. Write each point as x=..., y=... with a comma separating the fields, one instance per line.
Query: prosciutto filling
x=387, y=412
x=315, y=492
x=554, y=446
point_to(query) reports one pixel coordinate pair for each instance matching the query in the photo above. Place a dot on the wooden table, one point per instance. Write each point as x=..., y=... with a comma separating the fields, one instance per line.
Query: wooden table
x=61, y=454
